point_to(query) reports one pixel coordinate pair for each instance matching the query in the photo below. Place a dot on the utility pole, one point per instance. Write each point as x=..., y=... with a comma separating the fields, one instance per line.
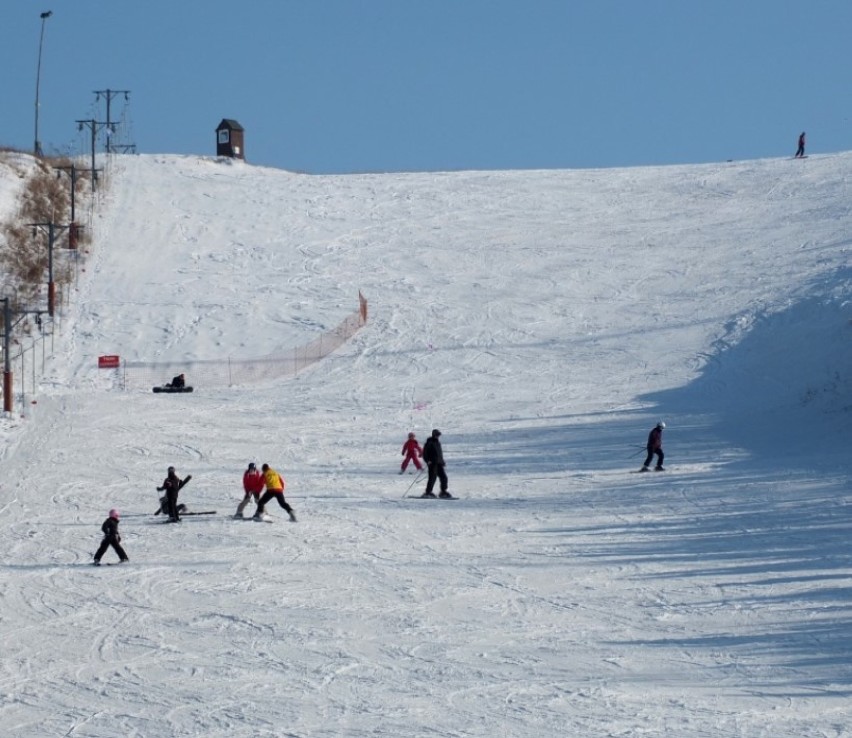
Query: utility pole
x=7, y=363
x=8, y=325
x=37, y=143
x=94, y=127
x=73, y=228
x=71, y=172
x=108, y=95
x=51, y=229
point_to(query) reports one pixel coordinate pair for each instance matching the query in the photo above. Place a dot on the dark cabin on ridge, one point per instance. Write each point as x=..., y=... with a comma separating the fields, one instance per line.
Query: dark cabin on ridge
x=229, y=139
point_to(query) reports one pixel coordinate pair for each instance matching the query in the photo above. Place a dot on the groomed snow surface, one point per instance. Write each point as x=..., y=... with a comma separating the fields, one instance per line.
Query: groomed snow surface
x=544, y=321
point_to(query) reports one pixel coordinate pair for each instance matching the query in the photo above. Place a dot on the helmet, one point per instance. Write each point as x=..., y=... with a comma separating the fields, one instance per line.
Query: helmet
x=436, y=433
x=252, y=466
x=265, y=467
x=411, y=435
x=171, y=470
x=661, y=425
x=114, y=514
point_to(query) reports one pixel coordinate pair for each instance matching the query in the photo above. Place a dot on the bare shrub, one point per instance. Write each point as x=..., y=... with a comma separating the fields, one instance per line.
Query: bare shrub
x=24, y=255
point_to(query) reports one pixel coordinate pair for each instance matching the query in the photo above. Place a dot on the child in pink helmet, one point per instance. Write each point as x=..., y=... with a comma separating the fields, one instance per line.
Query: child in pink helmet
x=111, y=538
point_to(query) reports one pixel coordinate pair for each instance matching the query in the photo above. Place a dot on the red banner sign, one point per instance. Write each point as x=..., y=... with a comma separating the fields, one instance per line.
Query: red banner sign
x=110, y=361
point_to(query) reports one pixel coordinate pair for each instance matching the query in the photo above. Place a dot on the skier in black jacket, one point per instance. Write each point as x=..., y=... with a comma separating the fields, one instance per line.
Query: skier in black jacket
x=111, y=538
x=172, y=485
x=655, y=447
x=178, y=382
x=433, y=455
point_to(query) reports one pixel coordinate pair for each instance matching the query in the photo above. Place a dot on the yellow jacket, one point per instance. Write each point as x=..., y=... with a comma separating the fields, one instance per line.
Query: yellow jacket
x=273, y=480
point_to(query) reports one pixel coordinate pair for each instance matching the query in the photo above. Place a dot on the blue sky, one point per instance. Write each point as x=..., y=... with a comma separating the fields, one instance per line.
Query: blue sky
x=325, y=86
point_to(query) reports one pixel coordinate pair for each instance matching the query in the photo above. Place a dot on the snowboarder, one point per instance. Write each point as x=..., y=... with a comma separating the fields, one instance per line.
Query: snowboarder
x=274, y=484
x=172, y=484
x=411, y=450
x=655, y=447
x=111, y=538
x=252, y=487
x=178, y=382
x=800, y=152
x=433, y=455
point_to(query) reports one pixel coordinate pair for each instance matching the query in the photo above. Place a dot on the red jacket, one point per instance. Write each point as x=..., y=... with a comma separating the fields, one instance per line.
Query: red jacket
x=253, y=481
x=411, y=448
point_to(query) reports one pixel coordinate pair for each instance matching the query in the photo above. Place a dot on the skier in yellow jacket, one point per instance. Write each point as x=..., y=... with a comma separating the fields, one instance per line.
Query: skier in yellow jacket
x=274, y=484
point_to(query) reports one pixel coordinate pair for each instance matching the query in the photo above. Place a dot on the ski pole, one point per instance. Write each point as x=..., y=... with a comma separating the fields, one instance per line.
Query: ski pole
x=416, y=480
x=641, y=449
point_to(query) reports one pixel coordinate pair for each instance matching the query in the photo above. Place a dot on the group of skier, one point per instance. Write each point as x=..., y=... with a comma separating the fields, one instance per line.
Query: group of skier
x=256, y=481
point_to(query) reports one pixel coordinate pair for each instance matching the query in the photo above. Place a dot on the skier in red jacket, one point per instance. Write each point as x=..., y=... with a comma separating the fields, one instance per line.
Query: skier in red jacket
x=411, y=451
x=252, y=487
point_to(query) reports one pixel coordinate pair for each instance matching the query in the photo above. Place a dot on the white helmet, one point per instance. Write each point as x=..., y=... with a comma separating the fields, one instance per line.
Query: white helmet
x=661, y=425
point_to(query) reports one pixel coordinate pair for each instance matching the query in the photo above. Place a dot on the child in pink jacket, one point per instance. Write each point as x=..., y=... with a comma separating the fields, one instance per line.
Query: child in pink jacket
x=411, y=451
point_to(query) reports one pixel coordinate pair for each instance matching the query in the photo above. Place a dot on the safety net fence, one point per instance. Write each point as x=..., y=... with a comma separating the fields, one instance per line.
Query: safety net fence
x=228, y=372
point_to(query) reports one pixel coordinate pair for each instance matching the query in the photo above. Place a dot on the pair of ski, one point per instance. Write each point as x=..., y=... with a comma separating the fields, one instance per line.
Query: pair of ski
x=185, y=514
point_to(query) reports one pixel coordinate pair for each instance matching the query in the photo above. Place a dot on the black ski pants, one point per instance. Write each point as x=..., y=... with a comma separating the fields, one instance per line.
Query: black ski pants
x=658, y=452
x=436, y=471
x=267, y=496
x=116, y=546
x=172, y=503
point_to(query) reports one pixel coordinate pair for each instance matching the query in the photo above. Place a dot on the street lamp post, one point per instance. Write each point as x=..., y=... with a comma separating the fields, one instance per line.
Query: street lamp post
x=44, y=16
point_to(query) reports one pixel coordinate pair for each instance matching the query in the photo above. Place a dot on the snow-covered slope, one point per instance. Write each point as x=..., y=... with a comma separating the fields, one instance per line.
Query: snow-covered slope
x=544, y=321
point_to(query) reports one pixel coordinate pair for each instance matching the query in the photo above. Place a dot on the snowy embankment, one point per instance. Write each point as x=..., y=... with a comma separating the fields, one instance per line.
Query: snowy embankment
x=544, y=321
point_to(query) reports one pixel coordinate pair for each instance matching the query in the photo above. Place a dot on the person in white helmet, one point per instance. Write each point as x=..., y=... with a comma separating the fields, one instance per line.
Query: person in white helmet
x=111, y=538
x=655, y=447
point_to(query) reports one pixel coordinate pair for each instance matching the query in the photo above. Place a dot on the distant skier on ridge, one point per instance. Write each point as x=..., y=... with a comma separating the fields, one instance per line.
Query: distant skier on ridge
x=800, y=152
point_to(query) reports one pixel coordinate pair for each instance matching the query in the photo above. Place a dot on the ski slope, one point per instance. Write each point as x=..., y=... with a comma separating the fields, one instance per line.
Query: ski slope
x=544, y=321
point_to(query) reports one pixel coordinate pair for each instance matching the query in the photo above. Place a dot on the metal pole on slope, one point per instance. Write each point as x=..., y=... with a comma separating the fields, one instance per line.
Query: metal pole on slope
x=37, y=143
x=7, y=361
